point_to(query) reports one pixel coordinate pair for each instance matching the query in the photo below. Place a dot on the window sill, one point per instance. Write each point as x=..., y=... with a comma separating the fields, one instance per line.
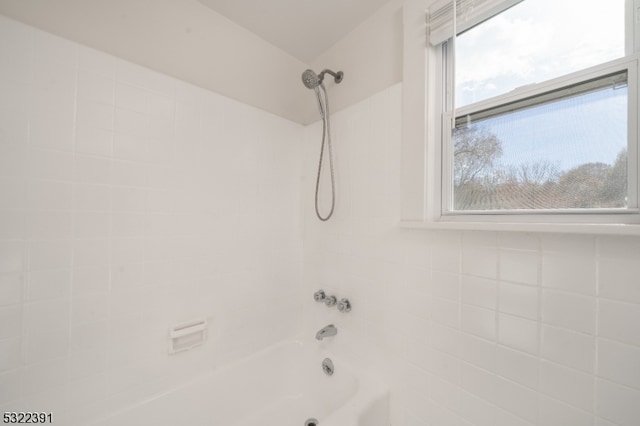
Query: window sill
x=563, y=228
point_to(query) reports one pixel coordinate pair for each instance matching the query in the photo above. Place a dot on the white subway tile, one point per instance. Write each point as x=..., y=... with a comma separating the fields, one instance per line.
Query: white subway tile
x=479, y=321
x=445, y=285
x=505, y=418
x=479, y=292
x=90, y=224
x=90, y=280
x=518, y=241
x=49, y=254
x=12, y=256
x=91, y=169
x=46, y=375
x=128, y=276
x=10, y=353
x=619, y=362
x=478, y=382
x=569, y=310
x=479, y=352
x=14, y=123
x=618, y=403
x=48, y=284
x=131, y=97
x=13, y=159
x=519, y=266
x=444, y=394
x=444, y=338
x=619, y=247
x=12, y=224
x=94, y=140
x=91, y=197
x=476, y=410
x=95, y=115
x=517, y=399
x=126, y=199
x=569, y=348
x=91, y=337
x=445, y=312
x=89, y=389
x=132, y=122
x=130, y=147
x=603, y=422
x=579, y=245
x=88, y=308
x=127, y=173
x=619, y=321
x=518, y=333
x=10, y=386
x=11, y=288
x=47, y=315
x=49, y=195
x=13, y=191
x=446, y=255
x=93, y=87
x=50, y=164
x=555, y=413
x=87, y=363
x=569, y=272
x=517, y=366
x=10, y=321
x=617, y=279
x=568, y=385
x=52, y=127
x=91, y=252
x=46, y=344
x=519, y=300
x=49, y=224
x=128, y=225
x=480, y=261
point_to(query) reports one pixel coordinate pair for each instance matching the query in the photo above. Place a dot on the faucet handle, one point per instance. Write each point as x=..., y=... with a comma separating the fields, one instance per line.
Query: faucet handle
x=319, y=296
x=330, y=301
x=344, y=305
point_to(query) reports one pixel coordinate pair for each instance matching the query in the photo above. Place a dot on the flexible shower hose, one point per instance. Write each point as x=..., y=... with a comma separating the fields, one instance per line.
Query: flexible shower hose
x=326, y=135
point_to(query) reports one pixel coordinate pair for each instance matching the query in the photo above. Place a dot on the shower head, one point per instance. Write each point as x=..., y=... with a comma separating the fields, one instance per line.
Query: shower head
x=312, y=80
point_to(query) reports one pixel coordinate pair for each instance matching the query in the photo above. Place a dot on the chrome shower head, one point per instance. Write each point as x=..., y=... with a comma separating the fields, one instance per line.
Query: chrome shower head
x=310, y=79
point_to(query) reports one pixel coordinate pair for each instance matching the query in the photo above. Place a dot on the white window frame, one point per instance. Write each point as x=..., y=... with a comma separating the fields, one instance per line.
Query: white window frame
x=422, y=179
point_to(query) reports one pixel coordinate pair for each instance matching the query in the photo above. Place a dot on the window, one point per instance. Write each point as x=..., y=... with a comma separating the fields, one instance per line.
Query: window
x=535, y=114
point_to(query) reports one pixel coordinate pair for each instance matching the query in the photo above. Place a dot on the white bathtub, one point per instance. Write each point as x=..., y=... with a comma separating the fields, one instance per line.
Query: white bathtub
x=283, y=385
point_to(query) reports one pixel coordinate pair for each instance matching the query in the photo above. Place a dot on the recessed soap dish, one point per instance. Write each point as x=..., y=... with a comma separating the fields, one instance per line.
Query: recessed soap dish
x=187, y=335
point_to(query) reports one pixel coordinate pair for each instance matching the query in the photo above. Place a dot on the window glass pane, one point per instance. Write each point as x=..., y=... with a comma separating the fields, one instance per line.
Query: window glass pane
x=534, y=41
x=568, y=153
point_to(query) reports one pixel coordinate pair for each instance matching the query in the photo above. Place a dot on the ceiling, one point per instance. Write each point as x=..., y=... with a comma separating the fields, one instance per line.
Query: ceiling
x=302, y=28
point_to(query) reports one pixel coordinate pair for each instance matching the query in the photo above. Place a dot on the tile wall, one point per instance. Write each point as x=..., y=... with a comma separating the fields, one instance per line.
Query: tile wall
x=470, y=328
x=130, y=201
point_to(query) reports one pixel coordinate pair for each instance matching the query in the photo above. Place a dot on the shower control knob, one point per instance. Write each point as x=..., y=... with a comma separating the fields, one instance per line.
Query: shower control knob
x=344, y=305
x=319, y=296
x=330, y=301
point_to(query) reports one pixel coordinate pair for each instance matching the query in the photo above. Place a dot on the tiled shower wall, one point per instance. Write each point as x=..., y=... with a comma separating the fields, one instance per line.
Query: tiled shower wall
x=470, y=328
x=130, y=201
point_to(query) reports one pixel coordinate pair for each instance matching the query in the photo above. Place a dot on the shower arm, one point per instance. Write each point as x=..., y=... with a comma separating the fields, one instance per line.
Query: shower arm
x=337, y=76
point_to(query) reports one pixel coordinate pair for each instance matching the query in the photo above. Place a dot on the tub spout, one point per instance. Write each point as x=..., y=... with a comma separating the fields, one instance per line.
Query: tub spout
x=329, y=330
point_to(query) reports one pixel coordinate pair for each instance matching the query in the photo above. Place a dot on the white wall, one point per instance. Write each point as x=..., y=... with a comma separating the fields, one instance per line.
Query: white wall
x=130, y=201
x=370, y=57
x=183, y=39
x=470, y=328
